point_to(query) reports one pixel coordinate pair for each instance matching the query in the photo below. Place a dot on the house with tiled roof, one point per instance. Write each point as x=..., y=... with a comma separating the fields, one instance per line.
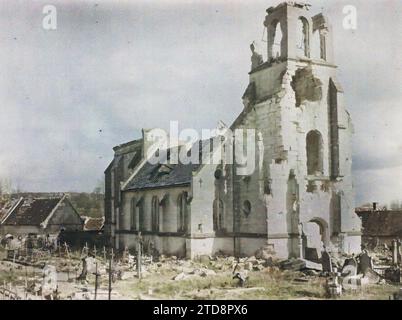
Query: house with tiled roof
x=380, y=226
x=40, y=216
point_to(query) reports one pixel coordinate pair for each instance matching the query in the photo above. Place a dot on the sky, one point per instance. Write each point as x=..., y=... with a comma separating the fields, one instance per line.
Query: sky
x=67, y=96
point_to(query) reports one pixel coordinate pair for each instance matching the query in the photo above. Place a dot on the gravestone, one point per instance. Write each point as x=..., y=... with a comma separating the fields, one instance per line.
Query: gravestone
x=365, y=263
x=349, y=270
x=312, y=254
x=326, y=262
x=49, y=282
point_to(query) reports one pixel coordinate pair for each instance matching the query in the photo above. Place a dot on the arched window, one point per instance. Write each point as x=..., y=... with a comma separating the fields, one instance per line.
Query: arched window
x=181, y=213
x=141, y=213
x=323, y=45
x=133, y=214
x=314, y=153
x=303, y=35
x=218, y=212
x=155, y=214
x=247, y=208
x=275, y=39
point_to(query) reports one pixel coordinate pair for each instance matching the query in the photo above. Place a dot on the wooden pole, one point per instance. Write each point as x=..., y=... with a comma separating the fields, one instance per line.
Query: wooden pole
x=26, y=282
x=67, y=251
x=139, y=262
x=96, y=279
x=110, y=275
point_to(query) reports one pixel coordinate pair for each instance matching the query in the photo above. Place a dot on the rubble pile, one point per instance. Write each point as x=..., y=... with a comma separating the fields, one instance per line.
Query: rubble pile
x=81, y=274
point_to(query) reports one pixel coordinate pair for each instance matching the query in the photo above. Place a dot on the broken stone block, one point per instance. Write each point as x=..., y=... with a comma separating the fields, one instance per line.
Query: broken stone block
x=397, y=295
x=207, y=273
x=312, y=254
x=248, y=266
x=326, y=262
x=393, y=274
x=252, y=259
x=128, y=275
x=265, y=253
x=258, y=267
x=242, y=277
x=180, y=276
x=349, y=271
x=204, y=259
x=300, y=264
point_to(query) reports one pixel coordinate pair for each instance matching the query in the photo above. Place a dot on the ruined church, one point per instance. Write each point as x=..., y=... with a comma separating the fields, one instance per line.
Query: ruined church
x=300, y=196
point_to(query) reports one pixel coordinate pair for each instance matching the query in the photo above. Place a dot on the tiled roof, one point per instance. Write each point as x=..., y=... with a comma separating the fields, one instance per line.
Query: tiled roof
x=93, y=224
x=5, y=207
x=31, y=212
x=164, y=175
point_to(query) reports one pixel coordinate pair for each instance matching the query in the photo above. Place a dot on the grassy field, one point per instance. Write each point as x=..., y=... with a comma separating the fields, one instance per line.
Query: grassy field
x=261, y=285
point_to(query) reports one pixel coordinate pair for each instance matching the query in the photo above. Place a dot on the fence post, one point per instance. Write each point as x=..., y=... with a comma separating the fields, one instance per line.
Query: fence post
x=110, y=275
x=139, y=260
x=96, y=279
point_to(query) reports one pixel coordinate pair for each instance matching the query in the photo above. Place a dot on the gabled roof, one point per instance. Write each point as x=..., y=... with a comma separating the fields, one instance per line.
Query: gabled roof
x=31, y=212
x=162, y=175
x=5, y=208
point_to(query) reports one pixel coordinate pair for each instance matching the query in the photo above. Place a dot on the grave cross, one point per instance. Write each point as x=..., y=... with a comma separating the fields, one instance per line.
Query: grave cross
x=67, y=251
x=104, y=253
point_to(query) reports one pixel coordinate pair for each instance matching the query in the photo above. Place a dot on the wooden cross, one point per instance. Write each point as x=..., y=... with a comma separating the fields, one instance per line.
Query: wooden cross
x=95, y=251
x=67, y=251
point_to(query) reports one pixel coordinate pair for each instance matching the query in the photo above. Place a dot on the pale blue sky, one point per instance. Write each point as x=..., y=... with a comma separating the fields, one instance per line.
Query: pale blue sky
x=68, y=96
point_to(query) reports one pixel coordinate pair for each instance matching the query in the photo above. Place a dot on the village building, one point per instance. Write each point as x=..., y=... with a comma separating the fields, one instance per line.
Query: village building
x=380, y=226
x=41, y=217
x=93, y=224
x=300, y=195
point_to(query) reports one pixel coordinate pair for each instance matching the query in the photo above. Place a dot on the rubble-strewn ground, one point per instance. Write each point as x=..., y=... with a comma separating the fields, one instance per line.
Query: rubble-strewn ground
x=171, y=278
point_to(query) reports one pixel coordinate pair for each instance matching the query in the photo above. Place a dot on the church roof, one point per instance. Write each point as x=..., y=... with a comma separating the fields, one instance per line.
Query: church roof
x=165, y=175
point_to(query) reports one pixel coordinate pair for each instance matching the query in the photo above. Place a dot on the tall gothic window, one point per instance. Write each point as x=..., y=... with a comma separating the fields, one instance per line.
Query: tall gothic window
x=141, y=215
x=155, y=214
x=314, y=153
x=303, y=35
x=133, y=214
x=182, y=213
x=246, y=208
x=275, y=39
x=218, y=212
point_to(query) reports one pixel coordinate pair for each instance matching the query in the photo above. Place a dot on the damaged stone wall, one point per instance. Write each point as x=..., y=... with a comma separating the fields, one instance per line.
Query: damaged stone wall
x=292, y=100
x=306, y=86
